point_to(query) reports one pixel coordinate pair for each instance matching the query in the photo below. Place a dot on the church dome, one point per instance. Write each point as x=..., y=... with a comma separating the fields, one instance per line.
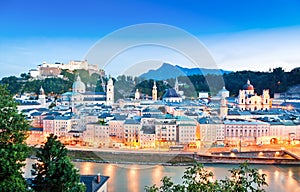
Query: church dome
x=170, y=93
x=78, y=86
x=248, y=86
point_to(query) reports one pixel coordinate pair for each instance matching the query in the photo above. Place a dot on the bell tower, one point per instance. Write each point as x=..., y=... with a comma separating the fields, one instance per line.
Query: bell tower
x=154, y=92
x=110, y=92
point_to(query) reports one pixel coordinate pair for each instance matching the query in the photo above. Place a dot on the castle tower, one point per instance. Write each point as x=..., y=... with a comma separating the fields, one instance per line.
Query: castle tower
x=154, y=92
x=137, y=94
x=110, y=92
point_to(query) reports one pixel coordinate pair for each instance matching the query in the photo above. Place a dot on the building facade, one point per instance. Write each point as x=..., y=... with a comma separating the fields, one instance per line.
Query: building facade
x=249, y=100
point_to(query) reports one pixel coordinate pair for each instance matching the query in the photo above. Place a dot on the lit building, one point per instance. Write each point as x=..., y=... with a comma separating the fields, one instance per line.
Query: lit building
x=147, y=137
x=248, y=100
x=247, y=132
x=96, y=135
x=131, y=132
x=166, y=133
x=62, y=125
x=281, y=131
x=48, y=125
x=186, y=133
x=116, y=128
x=211, y=131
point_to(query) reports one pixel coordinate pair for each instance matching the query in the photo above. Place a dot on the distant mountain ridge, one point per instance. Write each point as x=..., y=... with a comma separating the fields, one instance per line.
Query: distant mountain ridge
x=167, y=71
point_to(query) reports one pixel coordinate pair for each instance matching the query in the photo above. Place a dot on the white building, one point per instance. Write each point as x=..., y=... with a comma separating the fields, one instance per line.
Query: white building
x=62, y=125
x=110, y=92
x=248, y=100
x=116, y=128
x=186, y=133
x=211, y=131
x=96, y=134
x=247, y=132
x=131, y=133
x=147, y=137
x=79, y=95
x=166, y=133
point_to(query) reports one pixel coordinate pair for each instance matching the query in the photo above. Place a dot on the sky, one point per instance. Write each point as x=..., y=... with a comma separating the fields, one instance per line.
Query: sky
x=238, y=34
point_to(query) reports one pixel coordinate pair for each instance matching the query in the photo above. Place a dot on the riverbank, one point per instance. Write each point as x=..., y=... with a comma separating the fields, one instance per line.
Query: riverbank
x=121, y=157
x=169, y=158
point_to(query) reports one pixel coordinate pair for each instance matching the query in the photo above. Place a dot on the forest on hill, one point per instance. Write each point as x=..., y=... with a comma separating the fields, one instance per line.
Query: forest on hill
x=276, y=80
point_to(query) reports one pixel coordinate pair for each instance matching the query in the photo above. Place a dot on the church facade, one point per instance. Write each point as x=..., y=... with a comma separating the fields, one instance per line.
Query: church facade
x=249, y=100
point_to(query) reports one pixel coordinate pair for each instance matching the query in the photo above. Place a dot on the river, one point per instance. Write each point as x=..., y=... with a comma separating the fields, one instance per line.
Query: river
x=134, y=178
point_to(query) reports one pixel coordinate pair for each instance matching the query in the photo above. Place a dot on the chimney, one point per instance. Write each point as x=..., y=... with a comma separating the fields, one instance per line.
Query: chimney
x=98, y=178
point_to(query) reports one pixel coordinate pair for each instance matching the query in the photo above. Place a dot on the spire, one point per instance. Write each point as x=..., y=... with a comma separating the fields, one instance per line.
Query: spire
x=176, y=85
x=42, y=92
x=248, y=82
x=154, y=85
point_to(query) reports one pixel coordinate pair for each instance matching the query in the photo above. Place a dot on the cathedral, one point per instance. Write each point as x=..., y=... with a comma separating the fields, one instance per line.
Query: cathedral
x=248, y=100
x=79, y=95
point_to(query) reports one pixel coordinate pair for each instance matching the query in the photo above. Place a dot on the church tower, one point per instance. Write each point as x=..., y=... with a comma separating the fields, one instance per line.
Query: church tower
x=223, y=107
x=154, y=92
x=42, y=97
x=266, y=100
x=176, y=86
x=110, y=92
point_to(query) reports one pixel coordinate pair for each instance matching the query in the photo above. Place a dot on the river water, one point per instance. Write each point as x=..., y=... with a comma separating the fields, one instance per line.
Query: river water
x=134, y=178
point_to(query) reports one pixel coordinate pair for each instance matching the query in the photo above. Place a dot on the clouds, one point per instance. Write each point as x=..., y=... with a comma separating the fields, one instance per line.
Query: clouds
x=256, y=50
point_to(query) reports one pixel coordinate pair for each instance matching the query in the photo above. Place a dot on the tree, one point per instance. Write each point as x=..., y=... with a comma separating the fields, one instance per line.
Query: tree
x=13, y=84
x=54, y=170
x=13, y=149
x=196, y=178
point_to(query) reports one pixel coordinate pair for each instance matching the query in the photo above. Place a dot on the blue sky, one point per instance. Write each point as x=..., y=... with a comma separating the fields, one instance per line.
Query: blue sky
x=256, y=34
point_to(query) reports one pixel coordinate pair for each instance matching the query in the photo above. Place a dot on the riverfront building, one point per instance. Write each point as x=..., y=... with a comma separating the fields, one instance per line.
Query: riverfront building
x=247, y=132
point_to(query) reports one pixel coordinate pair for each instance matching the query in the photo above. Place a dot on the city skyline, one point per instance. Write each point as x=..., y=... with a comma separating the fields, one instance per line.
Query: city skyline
x=251, y=36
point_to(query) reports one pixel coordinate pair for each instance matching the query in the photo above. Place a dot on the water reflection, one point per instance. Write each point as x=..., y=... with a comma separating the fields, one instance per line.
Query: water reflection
x=133, y=178
x=86, y=168
x=136, y=177
x=157, y=174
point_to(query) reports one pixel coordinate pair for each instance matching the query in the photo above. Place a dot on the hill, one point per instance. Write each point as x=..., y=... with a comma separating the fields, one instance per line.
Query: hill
x=168, y=71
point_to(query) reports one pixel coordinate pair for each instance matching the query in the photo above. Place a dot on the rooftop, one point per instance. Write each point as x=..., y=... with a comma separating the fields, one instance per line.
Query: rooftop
x=91, y=183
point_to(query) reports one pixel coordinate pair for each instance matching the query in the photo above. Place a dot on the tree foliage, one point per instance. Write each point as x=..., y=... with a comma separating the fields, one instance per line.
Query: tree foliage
x=13, y=149
x=54, y=170
x=276, y=80
x=196, y=178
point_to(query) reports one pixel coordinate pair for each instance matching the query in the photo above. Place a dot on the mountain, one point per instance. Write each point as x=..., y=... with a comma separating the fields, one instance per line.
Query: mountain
x=167, y=71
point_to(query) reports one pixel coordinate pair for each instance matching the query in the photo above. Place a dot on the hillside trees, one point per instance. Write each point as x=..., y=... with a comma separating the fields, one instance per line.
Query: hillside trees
x=276, y=80
x=13, y=149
